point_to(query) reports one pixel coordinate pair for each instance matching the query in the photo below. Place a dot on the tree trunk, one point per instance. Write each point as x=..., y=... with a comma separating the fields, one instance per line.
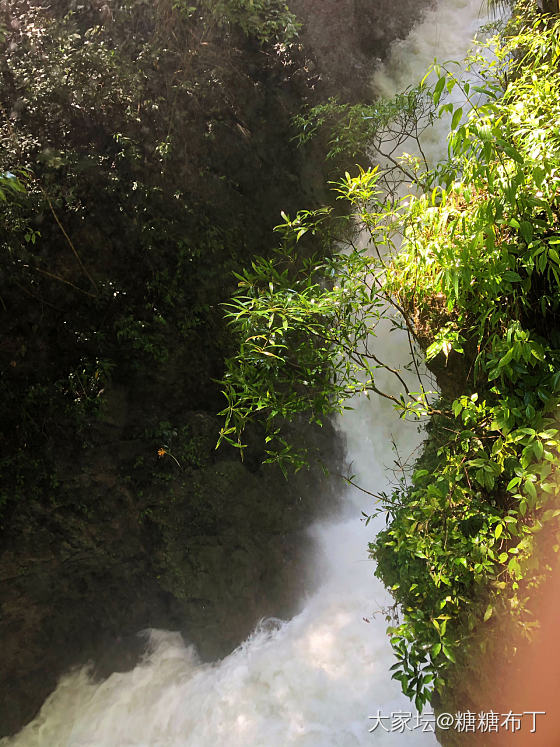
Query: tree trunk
x=549, y=6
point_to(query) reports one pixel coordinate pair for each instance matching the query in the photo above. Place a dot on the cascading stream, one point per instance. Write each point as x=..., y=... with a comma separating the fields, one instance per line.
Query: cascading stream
x=315, y=680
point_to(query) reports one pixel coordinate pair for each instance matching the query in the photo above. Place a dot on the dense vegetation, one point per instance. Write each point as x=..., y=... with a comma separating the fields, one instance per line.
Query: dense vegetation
x=145, y=153
x=127, y=166
x=140, y=166
x=468, y=267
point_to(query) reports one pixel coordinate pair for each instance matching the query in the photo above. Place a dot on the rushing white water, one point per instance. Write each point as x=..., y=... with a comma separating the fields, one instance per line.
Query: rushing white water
x=446, y=34
x=312, y=681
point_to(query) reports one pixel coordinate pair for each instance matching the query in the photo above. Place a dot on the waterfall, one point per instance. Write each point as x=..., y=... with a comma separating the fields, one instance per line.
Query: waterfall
x=315, y=680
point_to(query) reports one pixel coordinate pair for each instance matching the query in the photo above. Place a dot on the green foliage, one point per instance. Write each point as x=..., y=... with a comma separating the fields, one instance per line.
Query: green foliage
x=118, y=234
x=307, y=326
x=475, y=278
x=267, y=20
x=482, y=243
x=381, y=127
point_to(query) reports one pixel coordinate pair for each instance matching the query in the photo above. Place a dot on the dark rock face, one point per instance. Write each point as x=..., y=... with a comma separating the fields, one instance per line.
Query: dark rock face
x=207, y=550
x=127, y=540
x=348, y=37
